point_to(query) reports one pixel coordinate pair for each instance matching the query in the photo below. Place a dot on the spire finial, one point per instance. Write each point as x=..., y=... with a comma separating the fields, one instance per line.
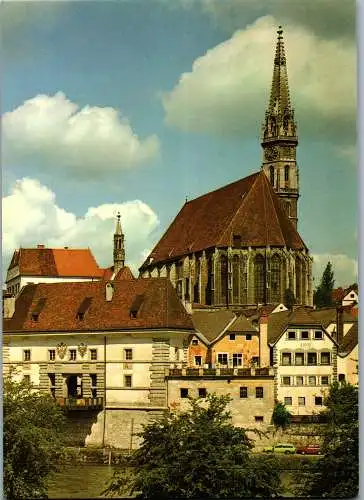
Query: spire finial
x=118, y=224
x=280, y=32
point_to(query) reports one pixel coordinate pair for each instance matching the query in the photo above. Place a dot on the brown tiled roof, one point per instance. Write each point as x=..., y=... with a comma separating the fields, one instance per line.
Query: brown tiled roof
x=249, y=208
x=242, y=324
x=350, y=340
x=212, y=323
x=328, y=315
x=62, y=262
x=124, y=274
x=161, y=307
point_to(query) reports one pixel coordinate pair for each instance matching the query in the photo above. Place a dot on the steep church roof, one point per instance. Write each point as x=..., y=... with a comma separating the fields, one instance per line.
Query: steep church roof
x=248, y=208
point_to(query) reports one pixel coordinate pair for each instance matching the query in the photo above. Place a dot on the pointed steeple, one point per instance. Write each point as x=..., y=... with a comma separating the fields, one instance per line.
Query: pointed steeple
x=119, y=250
x=279, y=136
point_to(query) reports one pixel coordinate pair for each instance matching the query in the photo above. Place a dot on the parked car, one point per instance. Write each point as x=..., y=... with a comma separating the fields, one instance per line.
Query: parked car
x=311, y=449
x=286, y=448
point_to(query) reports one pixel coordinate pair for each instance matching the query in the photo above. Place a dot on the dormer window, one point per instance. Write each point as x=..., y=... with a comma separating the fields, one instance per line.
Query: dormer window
x=38, y=309
x=80, y=316
x=136, y=305
x=35, y=316
x=84, y=307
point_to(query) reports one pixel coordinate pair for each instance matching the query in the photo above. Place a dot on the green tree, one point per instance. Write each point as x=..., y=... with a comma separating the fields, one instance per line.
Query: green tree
x=32, y=440
x=198, y=453
x=323, y=293
x=336, y=474
x=281, y=417
x=289, y=299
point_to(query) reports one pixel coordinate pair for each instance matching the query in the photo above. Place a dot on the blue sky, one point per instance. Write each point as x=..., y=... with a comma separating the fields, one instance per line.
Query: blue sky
x=134, y=106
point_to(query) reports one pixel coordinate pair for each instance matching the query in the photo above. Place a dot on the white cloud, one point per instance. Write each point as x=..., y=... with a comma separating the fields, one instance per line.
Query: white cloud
x=345, y=268
x=31, y=216
x=349, y=153
x=52, y=130
x=227, y=90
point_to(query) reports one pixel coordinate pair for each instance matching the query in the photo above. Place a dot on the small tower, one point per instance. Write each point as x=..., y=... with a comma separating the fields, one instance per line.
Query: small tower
x=279, y=137
x=119, y=250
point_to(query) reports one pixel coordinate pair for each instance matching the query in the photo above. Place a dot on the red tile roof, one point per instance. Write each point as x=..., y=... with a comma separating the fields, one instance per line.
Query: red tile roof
x=160, y=307
x=249, y=208
x=124, y=274
x=61, y=262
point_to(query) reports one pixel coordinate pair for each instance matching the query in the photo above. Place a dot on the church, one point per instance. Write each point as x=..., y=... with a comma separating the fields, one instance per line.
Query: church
x=238, y=246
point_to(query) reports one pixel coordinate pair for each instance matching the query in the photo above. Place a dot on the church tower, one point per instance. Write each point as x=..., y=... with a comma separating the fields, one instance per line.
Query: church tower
x=279, y=137
x=119, y=250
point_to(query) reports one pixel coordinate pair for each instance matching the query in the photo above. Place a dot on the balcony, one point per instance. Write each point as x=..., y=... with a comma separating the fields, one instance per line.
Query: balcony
x=81, y=403
x=221, y=371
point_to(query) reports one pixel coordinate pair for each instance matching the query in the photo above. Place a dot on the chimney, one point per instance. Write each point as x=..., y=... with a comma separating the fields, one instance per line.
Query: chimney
x=8, y=305
x=263, y=341
x=40, y=246
x=109, y=292
x=339, y=324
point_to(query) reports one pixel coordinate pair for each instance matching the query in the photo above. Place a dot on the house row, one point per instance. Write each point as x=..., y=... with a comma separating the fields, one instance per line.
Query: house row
x=128, y=349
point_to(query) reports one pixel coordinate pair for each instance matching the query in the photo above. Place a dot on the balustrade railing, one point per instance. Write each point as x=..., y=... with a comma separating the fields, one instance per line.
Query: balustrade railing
x=219, y=371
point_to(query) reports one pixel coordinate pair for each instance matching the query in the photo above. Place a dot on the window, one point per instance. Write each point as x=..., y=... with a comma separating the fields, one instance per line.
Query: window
x=255, y=360
x=325, y=358
x=299, y=358
x=236, y=277
x=194, y=342
x=275, y=278
x=232, y=336
x=291, y=335
x=26, y=355
x=248, y=336
x=324, y=380
x=52, y=354
x=128, y=354
x=259, y=279
x=26, y=378
x=237, y=359
x=243, y=392
x=198, y=360
x=318, y=400
x=305, y=335
x=93, y=354
x=184, y=392
x=202, y=392
x=341, y=377
x=259, y=392
x=259, y=418
x=301, y=401
x=127, y=381
x=299, y=380
x=318, y=335
x=288, y=401
x=312, y=358
x=286, y=380
x=93, y=378
x=286, y=173
x=52, y=383
x=224, y=278
x=286, y=358
x=72, y=354
x=271, y=174
x=311, y=380
x=222, y=358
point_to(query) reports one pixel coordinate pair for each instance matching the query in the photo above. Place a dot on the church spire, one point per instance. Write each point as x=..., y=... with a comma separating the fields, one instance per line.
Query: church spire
x=119, y=250
x=279, y=136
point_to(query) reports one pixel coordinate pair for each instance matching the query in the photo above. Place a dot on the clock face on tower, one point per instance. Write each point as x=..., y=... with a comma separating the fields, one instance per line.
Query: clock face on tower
x=272, y=153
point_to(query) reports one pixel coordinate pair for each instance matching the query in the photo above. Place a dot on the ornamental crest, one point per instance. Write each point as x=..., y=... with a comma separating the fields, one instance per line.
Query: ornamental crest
x=82, y=349
x=61, y=350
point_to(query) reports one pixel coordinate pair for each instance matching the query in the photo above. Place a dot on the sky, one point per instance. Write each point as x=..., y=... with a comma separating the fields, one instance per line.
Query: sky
x=136, y=105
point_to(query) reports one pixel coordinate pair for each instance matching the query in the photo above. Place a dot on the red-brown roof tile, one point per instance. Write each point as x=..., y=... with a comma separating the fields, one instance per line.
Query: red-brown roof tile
x=161, y=307
x=249, y=208
x=125, y=273
x=61, y=262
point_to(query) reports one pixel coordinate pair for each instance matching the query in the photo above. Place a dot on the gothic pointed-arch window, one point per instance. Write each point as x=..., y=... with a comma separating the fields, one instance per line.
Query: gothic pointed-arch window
x=196, y=287
x=286, y=173
x=236, y=272
x=259, y=279
x=298, y=272
x=223, y=277
x=275, y=278
x=210, y=282
x=304, y=281
x=271, y=174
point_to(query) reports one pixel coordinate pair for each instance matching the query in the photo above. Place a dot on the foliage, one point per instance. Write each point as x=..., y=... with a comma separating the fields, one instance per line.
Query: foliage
x=323, y=293
x=198, y=453
x=281, y=417
x=336, y=474
x=289, y=299
x=32, y=440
